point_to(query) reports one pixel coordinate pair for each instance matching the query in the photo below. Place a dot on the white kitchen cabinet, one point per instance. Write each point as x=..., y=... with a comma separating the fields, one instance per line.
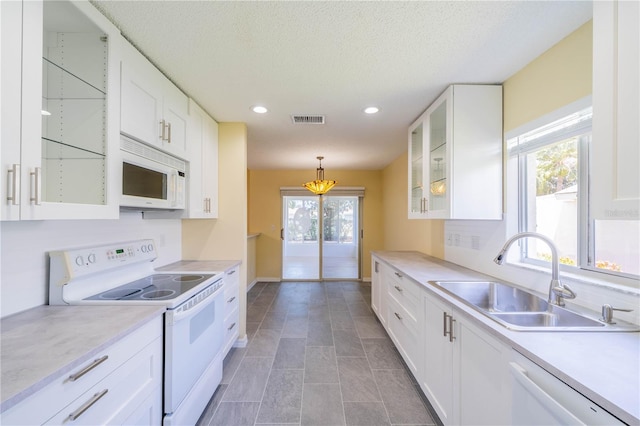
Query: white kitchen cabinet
x=465, y=371
x=404, y=316
x=378, y=289
x=615, y=176
x=123, y=381
x=202, y=133
x=455, y=156
x=154, y=110
x=232, y=308
x=60, y=103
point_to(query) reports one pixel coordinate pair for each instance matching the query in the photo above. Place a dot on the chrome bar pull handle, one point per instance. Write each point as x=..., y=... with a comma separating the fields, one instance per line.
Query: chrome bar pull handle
x=398, y=288
x=451, y=321
x=231, y=272
x=162, y=126
x=231, y=327
x=84, y=407
x=398, y=316
x=169, y=132
x=231, y=300
x=444, y=324
x=13, y=179
x=94, y=364
x=398, y=274
x=36, y=186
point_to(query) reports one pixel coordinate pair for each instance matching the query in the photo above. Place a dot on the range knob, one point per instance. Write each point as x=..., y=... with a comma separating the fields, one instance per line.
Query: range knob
x=150, y=247
x=79, y=261
x=91, y=258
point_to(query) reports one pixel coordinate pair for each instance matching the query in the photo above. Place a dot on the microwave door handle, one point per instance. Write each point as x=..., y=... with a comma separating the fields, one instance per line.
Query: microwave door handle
x=174, y=188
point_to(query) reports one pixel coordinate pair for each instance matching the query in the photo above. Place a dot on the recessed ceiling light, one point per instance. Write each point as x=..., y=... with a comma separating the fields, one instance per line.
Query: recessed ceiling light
x=259, y=109
x=371, y=110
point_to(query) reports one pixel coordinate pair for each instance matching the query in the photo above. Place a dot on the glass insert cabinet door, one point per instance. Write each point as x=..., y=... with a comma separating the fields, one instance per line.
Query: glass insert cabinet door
x=74, y=107
x=438, y=158
x=417, y=201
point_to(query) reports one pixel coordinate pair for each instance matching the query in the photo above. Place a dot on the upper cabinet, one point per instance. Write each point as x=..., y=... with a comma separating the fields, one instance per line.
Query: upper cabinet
x=203, y=168
x=154, y=110
x=455, y=156
x=615, y=179
x=60, y=103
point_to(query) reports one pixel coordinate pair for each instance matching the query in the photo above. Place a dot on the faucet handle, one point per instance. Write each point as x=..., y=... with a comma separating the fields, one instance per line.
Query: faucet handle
x=564, y=291
x=607, y=313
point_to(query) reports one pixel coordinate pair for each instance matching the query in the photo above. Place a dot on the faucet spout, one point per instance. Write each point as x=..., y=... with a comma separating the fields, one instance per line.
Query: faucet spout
x=557, y=291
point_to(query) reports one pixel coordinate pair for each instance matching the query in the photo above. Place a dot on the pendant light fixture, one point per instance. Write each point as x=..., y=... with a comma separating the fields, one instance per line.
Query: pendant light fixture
x=320, y=185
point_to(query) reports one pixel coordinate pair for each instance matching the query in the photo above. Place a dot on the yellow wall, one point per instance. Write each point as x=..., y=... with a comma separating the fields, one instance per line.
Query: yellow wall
x=561, y=75
x=400, y=233
x=265, y=212
x=225, y=238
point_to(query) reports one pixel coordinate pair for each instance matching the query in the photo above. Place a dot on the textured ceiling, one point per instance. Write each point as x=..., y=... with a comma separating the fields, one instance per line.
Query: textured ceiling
x=336, y=58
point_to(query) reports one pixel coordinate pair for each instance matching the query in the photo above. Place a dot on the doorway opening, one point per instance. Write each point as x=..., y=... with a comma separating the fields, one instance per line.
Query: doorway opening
x=321, y=246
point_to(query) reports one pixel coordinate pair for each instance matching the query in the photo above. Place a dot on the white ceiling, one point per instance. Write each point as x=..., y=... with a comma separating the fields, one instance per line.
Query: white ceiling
x=335, y=58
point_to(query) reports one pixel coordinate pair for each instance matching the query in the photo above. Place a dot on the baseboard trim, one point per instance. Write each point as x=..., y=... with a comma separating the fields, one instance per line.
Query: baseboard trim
x=366, y=279
x=250, y=286
x=268, y=279
x=241, y=342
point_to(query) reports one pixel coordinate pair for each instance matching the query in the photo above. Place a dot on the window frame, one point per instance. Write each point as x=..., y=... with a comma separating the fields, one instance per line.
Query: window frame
x=517, y=151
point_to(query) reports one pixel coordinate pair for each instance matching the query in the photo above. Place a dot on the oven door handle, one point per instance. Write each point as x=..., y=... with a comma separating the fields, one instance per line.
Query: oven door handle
x=175, y=317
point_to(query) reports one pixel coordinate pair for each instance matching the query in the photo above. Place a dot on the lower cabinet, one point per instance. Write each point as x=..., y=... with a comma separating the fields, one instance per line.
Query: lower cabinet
x=121, y=385
x=462, y=370
x=232, y=308
x=465, y=372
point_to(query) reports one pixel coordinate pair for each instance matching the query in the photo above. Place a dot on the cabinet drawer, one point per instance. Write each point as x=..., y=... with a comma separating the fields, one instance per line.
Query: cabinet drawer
x=64, y=389
x=231, y=300
x=404, y=291
x=231, y=327
x=403, y=329
x=232, y=277
x=114, y=399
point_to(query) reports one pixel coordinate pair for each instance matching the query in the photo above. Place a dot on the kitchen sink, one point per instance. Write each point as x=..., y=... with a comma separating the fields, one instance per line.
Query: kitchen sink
x=518, y=309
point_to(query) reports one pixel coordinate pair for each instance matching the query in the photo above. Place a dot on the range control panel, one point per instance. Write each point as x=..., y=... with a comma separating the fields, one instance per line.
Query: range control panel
x=75, y=263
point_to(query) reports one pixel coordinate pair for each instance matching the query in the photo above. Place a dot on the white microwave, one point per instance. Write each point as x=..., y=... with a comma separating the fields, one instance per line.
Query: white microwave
x=151, y=178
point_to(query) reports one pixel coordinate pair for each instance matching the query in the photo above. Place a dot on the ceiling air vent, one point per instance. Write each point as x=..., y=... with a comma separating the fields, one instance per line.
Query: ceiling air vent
x=307, y=119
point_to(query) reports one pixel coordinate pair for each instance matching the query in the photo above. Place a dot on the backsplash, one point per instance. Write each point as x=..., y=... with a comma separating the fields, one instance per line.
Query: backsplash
x=474, y=244
x=25, y=270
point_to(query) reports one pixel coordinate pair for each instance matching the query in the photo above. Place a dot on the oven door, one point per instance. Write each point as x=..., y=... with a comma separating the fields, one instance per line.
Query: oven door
x=193, y=338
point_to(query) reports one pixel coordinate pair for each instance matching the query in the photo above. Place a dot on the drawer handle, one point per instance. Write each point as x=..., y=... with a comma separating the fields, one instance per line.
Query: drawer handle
x=398, y=274
x=231, y=272
x=444, y=324
x=451, y=321
x=84, y=407
x=231, y=300
x=398, y=288
x=231, y=327
x=94, y=364
x=398, y=316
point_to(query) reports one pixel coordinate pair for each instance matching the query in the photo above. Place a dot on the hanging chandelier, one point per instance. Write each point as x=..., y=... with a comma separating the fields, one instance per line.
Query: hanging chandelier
x=320, y=185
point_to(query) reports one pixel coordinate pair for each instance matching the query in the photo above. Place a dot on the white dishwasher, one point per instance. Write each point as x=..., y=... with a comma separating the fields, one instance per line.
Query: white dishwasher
x=540, y=398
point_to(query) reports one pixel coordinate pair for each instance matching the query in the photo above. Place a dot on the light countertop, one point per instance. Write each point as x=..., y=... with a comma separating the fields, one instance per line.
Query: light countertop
x=43, y=343
x=603, y=366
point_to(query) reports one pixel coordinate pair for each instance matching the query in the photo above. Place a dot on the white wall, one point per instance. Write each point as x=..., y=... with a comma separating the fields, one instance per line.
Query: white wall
x=24, y=266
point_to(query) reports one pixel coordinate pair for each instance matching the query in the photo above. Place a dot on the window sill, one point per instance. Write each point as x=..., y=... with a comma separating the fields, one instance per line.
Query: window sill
x=603, y=280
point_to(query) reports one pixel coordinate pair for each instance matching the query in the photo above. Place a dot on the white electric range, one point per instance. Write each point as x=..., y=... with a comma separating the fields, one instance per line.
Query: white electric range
x=123, y=273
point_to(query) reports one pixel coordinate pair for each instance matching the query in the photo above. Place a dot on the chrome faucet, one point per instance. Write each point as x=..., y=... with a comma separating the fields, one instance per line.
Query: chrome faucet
x=557, y=291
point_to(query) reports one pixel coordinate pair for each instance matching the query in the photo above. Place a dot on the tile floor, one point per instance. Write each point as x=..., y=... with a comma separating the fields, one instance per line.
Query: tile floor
x=316, y=356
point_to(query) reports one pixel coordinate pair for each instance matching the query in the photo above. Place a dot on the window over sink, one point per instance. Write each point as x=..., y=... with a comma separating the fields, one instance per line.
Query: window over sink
x=551, y=162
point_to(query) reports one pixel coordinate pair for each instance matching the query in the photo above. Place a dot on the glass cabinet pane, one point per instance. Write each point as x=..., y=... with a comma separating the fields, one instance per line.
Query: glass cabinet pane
x=74, y=114
x=417, y=192
x=437, y=158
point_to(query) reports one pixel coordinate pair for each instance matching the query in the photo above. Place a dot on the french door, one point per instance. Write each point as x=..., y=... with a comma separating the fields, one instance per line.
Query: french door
x=321, y=237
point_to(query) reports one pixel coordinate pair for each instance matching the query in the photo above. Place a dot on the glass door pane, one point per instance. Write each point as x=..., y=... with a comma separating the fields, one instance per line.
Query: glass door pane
x=437, y=158
x=300, y=245
x=340, y=242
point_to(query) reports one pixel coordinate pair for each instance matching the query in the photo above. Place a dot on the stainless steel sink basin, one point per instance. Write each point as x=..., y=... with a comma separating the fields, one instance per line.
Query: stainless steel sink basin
x=493, y=296
x=517, y=309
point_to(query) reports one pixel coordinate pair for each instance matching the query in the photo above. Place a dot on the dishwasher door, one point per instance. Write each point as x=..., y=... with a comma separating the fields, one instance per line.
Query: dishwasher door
x=540, y=398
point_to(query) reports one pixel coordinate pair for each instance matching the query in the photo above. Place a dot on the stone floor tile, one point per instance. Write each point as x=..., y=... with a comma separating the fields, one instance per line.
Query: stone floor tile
x=322, y=405
x=282, y=399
